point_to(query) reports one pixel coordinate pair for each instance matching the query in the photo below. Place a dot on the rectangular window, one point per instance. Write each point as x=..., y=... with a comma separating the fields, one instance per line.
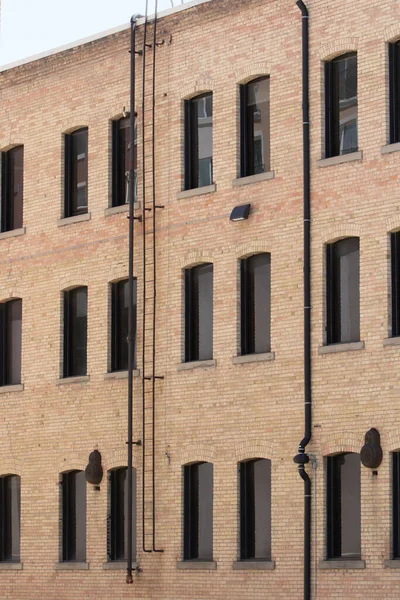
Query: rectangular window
x=344, y=506
x=75, y=332
x=199, y=313
x=343, y=291
x=341, y=111
x=118, y=514
x=255, y=127
x=10, y=342
x=198, y=142
x=255, y=509
x=394, y=92
x=12, y=181
x=10, y=510
x=73, y=516
x=119, y=324
x=76, y=173
x=396, y=504
x=120, y=161
x=255, y=303
x=395, y=279
x=198, y=511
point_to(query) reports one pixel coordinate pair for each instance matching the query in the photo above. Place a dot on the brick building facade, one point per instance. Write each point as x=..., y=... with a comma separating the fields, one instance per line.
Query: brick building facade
x=230, y=408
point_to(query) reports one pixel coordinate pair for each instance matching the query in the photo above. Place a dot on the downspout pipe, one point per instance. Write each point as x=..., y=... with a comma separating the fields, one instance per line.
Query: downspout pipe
x=131, y=333
x=302, y=457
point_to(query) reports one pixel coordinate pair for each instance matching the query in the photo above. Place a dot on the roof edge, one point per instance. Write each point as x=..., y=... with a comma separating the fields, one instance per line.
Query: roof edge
x=99, y=36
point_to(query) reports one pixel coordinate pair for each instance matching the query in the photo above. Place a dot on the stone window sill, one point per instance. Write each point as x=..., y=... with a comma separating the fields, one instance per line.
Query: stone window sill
x=197, y=565
x=196, y=364
x=392, y=564
x=11, y=566
x=118, y=565
x=392, y=341
x=120, y=374
x=338, y=160
x=5, y=389
x=252, y=358
x=67, y=380
x=346, y=347
x=12, y=233
x=207, y=189
x=74, y=219
x=72, y=566
x=341, y=564
x=115, y=210
x=389, y=148
x=253, y=565
x=253, y=178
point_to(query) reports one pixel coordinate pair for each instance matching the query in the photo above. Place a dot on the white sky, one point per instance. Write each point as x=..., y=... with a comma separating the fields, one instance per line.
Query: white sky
x=32, y=26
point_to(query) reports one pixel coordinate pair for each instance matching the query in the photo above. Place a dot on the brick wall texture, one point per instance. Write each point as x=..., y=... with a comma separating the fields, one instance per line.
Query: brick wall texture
x=228, y=412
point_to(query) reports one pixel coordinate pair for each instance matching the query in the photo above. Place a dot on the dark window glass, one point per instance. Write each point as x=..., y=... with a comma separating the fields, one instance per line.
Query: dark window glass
x=10, y=509
x=76, y=173
x=119, y=324
x=12, y=180
x=198, y=142
x=120, y=161
x=198, y=511
x=395, y=271
x=75, y=332
x=396, y=503
x=343, y=291
x=73, y=516
x=341, y=105
x=394, y=92
x=118, y=514
x=255, y=127
x=199, y=312
x=10, y=342
x=255, y=509
x=255, y=303
x=344, y=506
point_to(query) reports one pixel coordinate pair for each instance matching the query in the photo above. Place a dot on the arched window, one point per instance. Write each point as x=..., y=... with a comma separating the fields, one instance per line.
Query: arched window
x=255, y=509
x=343, y=495
x=120, y=160
x=12, y=181
x=394, y=92
x=10, y=509
x=343, y=291
x=199, y=312
x=198, y=142
x=198, y=511
x=117, y=521
x=76, y=172
x=73, y=510
x=75, y=332
x=10, y=342
x=254, y=127
x=119, y=324
x=255, y=304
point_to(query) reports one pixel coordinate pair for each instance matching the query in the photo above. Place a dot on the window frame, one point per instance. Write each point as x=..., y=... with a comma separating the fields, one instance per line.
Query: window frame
x=7, y=519
x=115, y=347
x=191, y=503
x=71, y=208
x=114, y=525
x=247, y=511
x=192, y=332
x=68, y=349
x=119, y=174
x=394, y=91
x=246, y=140
x=191, y=158
x=395, y=505
x=248, y=305
x=395, y=283
x=7, y=357
x=10, y=218
x=69, y=528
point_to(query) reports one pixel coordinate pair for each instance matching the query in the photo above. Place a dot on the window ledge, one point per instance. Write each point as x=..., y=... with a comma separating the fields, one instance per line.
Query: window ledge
x=345, y=347
x=197, y=364
x=253, y=178
x=252, y=358
x=66, y=380
x=11, y=566
x=120, y=374
x=197, y=565
x=12, y=233
x=341, y=564
x=115, y=210
x=74, y=219
x=72, y=566
x=253, y=565
x=5, y=389
x=207, y=189
x=337, y=160
x=392, y=564
x=392, y=341
x=389, y=148
x=118, y=565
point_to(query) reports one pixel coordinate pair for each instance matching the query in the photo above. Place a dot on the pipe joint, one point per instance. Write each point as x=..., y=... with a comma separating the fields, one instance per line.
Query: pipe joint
x=301, y=459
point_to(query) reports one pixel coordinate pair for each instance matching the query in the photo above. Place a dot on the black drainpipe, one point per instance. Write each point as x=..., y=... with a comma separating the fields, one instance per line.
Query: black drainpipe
x=302, y=458
x=131, y=333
